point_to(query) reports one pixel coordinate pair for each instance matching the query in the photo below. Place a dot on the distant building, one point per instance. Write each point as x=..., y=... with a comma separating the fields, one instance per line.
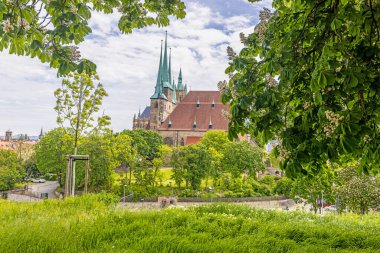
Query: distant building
x=182, y=118
x=8, y=135
x=41, y=134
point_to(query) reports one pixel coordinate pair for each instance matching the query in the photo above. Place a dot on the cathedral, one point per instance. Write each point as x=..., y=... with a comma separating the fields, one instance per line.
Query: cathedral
x=181, y=117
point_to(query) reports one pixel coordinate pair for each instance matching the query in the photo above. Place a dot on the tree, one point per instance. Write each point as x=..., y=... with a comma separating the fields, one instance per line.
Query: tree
x=242, y=157
x=10, y=170
x=78, y=102
x=310, y=187
x=197, y=162
x=178, y=164
x=122, y=153
x=284, y=187
x=101, y=169
x=308, y=77
x=147, y=142
x=215, y=139
x=165, y=153
x=51, y=151
x=356, y=191
x=49, y=30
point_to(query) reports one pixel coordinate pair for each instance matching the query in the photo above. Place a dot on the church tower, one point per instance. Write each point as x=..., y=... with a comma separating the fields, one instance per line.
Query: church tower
x=181, y=89
x=163, y=101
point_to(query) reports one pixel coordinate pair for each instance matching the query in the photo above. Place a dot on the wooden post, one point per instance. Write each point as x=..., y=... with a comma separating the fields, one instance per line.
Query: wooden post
x=86, y=177
x=68, y=176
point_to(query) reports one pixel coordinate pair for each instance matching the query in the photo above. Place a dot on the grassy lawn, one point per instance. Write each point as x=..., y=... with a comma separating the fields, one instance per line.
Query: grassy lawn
x=88, y=224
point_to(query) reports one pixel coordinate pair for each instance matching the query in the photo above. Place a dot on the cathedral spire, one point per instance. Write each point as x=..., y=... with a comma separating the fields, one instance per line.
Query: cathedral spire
x=170, y=66
x=158, y=89
x=165, y=70
x=180, y=85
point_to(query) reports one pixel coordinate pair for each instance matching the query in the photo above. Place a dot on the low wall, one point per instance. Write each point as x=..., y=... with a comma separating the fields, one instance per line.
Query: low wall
x=21, y=198
x=280, y=203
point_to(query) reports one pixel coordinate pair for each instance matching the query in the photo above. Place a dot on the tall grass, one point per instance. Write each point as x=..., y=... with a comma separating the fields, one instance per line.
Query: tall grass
x=93, y=224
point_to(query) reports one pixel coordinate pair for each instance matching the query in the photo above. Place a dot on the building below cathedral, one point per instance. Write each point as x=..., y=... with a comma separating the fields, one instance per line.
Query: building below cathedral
x=180, y=116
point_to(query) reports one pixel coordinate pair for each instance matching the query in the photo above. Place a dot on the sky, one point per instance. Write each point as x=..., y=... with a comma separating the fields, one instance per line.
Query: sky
x=128, y=64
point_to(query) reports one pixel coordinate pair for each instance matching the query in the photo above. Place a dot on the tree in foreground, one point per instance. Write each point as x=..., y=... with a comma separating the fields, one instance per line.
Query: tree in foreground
x=309, y=77
x=78, y=105
x=51, y=29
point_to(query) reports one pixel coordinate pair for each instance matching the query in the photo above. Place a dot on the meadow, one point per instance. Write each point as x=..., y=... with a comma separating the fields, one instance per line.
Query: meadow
x=95, y=223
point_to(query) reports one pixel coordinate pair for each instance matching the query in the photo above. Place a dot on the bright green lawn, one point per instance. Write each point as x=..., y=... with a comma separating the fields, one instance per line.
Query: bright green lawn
x=85, y=224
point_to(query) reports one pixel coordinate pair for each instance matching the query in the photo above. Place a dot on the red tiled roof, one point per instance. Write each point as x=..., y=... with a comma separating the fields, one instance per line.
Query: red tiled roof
x=183, y=116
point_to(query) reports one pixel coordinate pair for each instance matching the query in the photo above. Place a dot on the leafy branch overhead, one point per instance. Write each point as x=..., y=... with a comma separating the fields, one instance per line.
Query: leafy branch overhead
x=51, y=29
x=309, y=77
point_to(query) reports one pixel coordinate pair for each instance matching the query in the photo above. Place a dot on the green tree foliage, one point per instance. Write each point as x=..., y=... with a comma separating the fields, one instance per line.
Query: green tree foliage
x=215, y=139
x=358, y=192
x=242, y=157
x=101, y=169
x=50, y=29
x=283, y=187
x=309, y=77
x=10, y=170
x=122, y=153
x=178, y=163
x=310, y=187
x=198, y=162
x=78, y=102
x=190, y=164
x=146, y=142
x=51, y=151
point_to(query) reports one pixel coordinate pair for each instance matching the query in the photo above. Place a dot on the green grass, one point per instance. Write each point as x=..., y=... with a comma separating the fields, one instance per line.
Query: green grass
x=88, y=224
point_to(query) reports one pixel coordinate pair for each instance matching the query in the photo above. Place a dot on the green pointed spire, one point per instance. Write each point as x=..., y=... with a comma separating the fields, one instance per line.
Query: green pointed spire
x=170, y=66
x=165, y=71
x=158, y=89
x=180, y=85
x=174, y=93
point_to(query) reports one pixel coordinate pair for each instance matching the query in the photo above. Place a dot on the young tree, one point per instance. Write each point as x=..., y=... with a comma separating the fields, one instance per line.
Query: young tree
x=178, y=163
x=10, y=170
x=242, y=157
x=197, y=162
x=78, y=102
x=50, y=29
x=308, y=77
x=358, y=192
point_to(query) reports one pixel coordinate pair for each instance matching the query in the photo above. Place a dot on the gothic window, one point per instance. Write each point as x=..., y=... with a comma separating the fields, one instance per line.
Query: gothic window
x=156, y=105
x=182, y=142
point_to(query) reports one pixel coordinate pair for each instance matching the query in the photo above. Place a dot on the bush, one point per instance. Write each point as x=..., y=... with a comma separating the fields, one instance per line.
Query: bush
x=283, y=187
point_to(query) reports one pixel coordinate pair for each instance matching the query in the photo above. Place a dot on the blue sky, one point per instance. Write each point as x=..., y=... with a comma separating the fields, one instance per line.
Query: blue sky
x=127, y=64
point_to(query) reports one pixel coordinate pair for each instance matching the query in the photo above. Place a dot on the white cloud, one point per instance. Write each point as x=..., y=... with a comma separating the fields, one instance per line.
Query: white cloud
x=127, y=65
